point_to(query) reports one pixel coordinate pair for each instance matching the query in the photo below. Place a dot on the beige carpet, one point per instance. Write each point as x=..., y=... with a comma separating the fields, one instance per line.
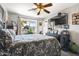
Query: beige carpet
x=63, y=53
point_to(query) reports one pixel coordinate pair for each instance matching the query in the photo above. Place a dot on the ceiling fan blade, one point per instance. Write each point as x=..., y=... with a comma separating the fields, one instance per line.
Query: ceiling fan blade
x=46, y=11
x=48, y=5
x=40, y=4
x=32, y=9
x=39, y=12
x=35, y=4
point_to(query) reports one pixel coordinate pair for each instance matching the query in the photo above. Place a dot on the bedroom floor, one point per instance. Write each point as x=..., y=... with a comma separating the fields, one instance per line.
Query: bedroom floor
x=63, y=53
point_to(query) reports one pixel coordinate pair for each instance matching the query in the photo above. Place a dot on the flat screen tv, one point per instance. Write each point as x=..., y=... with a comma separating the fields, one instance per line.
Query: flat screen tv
x=60, y=20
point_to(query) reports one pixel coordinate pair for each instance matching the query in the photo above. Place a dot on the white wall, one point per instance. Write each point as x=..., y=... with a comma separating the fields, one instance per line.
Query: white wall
x=74, y=29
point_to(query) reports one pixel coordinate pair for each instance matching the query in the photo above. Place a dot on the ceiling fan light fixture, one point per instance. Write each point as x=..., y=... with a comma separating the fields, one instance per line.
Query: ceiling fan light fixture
x=41, y=7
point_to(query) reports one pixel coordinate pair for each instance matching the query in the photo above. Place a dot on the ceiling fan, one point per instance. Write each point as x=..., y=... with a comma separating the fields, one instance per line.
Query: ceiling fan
x=41, y=7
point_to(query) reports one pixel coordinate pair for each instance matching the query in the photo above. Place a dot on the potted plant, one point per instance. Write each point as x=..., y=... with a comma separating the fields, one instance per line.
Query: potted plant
x=30, y=31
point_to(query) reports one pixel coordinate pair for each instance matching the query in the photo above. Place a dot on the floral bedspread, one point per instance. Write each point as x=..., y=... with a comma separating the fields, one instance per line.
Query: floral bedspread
x=38, y=46
x=29, y=45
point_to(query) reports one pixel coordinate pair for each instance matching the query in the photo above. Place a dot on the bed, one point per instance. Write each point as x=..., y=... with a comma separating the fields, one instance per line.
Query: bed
x=29, y=45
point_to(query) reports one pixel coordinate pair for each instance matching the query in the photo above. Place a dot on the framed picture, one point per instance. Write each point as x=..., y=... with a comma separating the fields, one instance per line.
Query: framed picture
x=75, y=19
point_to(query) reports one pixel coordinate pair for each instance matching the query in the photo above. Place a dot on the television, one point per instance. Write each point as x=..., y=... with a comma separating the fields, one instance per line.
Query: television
x=60, y=19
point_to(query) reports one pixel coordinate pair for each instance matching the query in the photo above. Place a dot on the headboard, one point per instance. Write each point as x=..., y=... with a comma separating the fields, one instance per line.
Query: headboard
x=1, y=17
x=1, y=24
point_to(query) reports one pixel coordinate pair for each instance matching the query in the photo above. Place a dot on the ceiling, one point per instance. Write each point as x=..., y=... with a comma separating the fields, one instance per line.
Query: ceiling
x=22, y=8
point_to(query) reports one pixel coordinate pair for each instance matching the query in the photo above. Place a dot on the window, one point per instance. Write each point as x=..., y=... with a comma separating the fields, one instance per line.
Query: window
x=28, y=26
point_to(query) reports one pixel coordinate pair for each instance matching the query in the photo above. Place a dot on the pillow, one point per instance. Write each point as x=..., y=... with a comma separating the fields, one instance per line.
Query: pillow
x=12, y=32
x=9, y=33
x=5, y=38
